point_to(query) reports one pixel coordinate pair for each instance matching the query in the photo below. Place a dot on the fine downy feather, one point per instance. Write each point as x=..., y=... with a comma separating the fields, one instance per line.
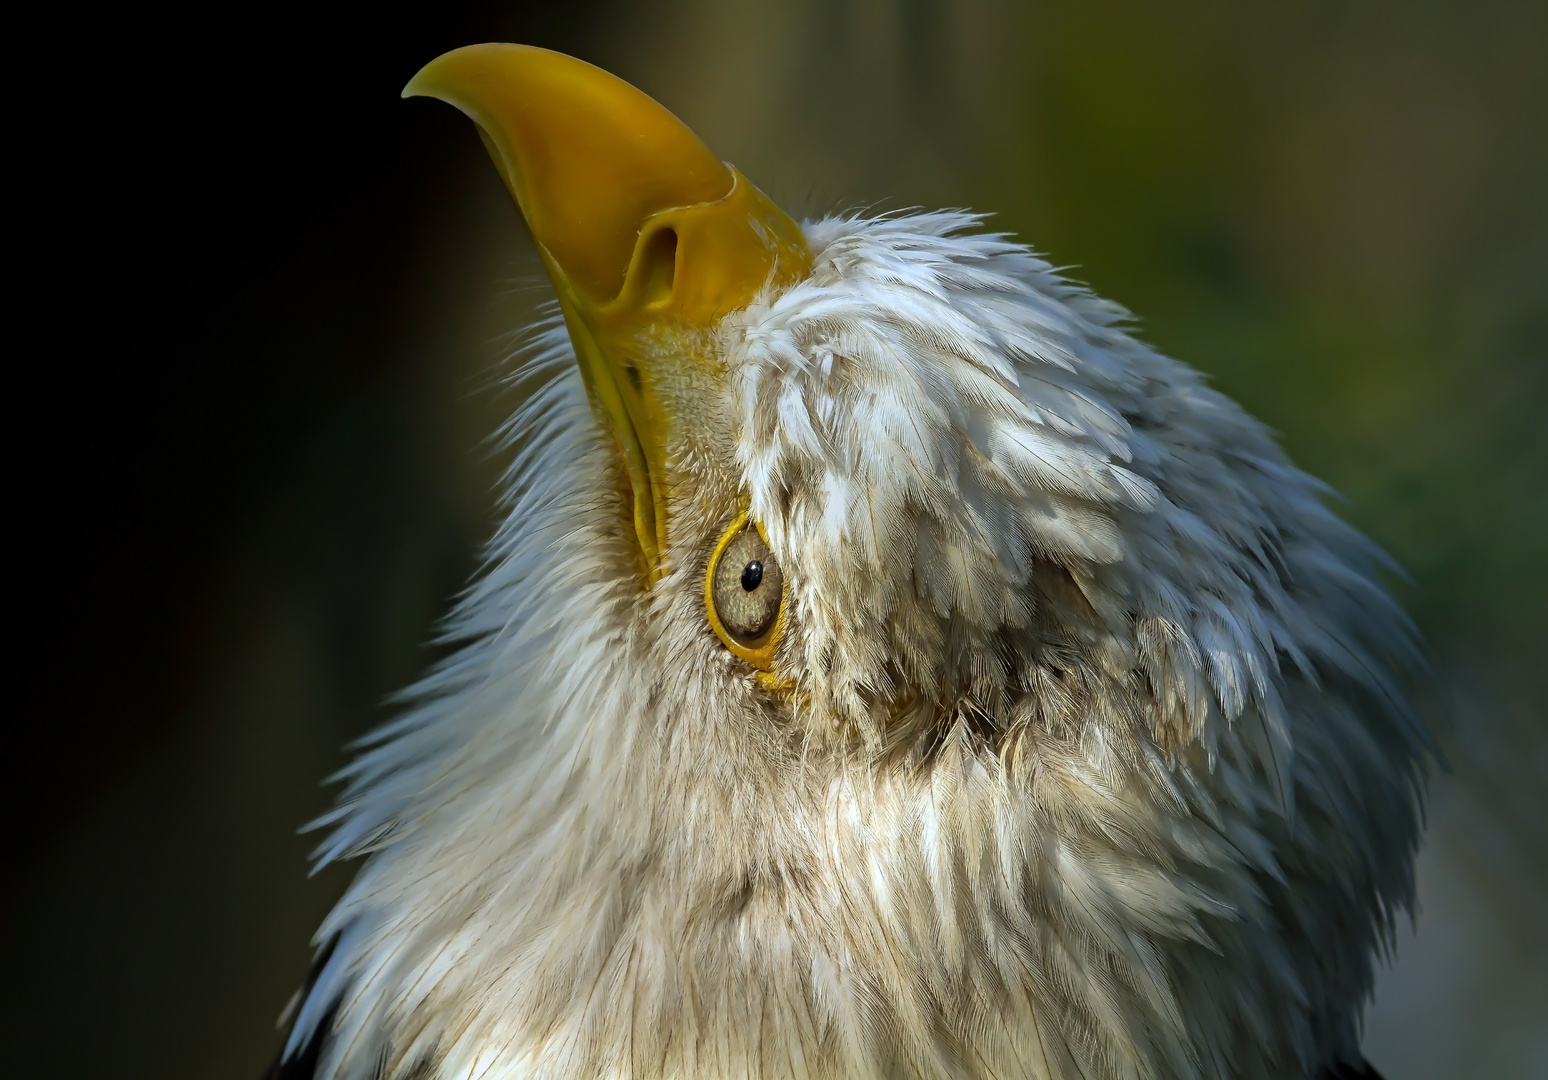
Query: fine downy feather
x=1097, y=761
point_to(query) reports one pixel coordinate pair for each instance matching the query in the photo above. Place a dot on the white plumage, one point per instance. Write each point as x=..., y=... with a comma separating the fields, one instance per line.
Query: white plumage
x=1091, y=759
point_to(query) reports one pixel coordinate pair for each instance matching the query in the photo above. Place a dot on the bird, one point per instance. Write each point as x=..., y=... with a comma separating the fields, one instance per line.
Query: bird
x=888, y=665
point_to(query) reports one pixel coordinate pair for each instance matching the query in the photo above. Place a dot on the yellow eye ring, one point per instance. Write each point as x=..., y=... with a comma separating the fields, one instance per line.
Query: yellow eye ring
x=759, y=651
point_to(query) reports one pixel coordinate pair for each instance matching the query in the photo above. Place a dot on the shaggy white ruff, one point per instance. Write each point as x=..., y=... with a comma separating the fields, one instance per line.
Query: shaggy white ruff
x=1098, y=763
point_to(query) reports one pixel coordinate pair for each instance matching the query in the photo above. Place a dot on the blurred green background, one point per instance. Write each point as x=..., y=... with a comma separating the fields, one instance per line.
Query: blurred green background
x=1339, y=211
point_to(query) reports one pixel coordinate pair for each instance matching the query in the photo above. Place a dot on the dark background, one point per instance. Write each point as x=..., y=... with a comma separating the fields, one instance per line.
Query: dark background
x=259, y=306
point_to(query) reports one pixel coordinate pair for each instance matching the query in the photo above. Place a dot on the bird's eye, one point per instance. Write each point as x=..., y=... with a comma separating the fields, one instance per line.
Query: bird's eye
x=746, y=587
x=744, y=592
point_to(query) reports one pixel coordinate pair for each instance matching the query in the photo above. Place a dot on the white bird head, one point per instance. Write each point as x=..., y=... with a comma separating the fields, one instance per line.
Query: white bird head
x=888, y=667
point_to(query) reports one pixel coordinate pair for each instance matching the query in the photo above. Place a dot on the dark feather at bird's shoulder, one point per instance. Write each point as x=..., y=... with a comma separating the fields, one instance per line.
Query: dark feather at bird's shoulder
x=303, y=1064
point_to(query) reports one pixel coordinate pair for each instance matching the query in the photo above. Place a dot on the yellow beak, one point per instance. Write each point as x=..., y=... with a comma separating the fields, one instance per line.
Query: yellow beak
x=649, y=238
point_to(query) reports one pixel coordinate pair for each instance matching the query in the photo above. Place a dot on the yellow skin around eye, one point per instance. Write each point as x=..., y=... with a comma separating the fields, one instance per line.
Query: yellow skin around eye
x=760, y=652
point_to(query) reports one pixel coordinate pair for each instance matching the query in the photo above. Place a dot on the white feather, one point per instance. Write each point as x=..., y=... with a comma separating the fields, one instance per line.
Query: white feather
x=1099, y=764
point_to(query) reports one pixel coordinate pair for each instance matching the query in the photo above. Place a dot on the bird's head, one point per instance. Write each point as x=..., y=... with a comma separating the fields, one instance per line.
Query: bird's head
x=846, y=465
x=888, y=664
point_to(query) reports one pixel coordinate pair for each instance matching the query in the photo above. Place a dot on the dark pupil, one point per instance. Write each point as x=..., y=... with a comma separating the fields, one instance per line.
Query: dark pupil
x=752, y=576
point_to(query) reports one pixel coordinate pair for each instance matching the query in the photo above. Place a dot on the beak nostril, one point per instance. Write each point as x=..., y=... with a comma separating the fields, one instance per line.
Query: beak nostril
x=660, y=266
x=633, y=374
